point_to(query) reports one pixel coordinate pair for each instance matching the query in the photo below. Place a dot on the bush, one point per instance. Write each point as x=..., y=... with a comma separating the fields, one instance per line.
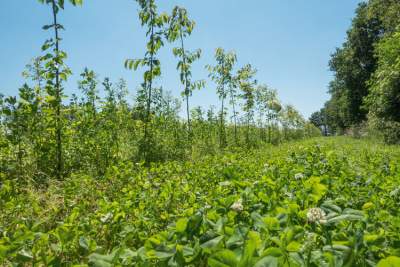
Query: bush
x=391, y=133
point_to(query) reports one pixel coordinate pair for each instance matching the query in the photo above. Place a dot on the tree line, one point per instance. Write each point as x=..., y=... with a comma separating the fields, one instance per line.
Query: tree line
x=365, y=91
x=44, y=133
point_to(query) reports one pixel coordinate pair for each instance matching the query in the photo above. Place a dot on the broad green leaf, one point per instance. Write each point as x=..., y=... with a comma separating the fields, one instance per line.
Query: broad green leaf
x=99, y=260
x=212, y=243
x=224, y=258
x=275, y=252
x=391, y=261
x=181, y=225
x=293, y=246
x=268, y=261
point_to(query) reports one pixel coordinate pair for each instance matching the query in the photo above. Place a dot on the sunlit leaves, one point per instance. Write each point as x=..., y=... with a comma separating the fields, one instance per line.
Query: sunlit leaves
x=391, y=261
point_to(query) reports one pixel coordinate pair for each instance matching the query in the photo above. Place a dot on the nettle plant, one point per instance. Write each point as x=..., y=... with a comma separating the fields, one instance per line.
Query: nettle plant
x=55, y=73
x=155, y=32
x=180, y=27
x=222, y=75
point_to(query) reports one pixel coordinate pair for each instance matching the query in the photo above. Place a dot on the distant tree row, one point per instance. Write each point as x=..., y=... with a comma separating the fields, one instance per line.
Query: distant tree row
x=42, y=135
x=366, y=87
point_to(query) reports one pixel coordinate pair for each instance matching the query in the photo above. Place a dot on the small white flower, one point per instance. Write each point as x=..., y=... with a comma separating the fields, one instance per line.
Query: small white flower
x=225, y=183
x=298, y=176
x=237, y=206
x=316, y=215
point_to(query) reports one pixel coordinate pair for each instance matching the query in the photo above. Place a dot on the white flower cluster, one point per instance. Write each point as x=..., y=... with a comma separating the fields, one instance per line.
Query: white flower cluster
x=316, y=215
x=298, y=176
x=207, y=207
x=237, y=206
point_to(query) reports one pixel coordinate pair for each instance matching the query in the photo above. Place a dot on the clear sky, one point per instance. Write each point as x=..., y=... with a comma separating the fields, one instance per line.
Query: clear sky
x=288, y=41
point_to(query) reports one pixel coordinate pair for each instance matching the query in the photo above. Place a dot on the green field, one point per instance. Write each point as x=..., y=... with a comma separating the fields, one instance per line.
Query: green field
x=212, y=133
x=235, y=209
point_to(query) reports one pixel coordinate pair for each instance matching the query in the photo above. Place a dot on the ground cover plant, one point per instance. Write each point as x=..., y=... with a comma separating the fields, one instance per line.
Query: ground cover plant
x=321, y=202
x=99, y=179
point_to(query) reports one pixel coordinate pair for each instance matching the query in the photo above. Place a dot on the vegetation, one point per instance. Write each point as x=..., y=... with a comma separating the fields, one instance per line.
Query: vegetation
x=95, y=180
x=366, y=85
x=44, y=137
x=323, y=202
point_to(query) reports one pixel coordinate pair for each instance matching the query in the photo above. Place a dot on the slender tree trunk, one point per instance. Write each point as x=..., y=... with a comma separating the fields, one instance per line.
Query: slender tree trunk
x=269, y=125
x=222, y=126
x=19, y=152
x=151, y=72
x=234, y=117
x=269, y=133
x=36, y=123
x=248, y=131
x=222, y=130
x=187, y=93
x=58, y=98
x=150, y=85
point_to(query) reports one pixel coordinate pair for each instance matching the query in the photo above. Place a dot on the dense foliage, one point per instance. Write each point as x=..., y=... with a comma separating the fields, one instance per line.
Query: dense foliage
x=99, y=181
x=331, y=202
x=43, y=135
x=366, y=83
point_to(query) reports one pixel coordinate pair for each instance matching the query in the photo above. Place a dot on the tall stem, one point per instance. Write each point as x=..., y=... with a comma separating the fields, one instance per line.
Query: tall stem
x=151, y=68
x=222, y=129
x=58, y=96
x=150, y=85
x=234, y=115
x=187, y=93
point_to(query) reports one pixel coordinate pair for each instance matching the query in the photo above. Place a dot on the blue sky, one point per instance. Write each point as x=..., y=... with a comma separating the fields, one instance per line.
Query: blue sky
x=288, y=41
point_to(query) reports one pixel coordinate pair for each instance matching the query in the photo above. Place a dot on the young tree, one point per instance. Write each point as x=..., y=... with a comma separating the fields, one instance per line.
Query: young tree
x=56, y=72
x=88, y=86
x=180, y=27
x=247, y=85
x=291, y=119
x=269, y=106
x=155, y=32
x=34, y=101
x=221, y=74
x=13, y=124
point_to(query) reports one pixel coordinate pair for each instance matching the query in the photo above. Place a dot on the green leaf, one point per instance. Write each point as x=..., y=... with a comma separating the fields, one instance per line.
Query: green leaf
x=212, y=243
x=76, y=2
x=272, y=223
x=24, y=256
x=345, y=217
x=391, y=261
x=252, y=244
x=162, y=255
x=276, y=252
x=181, y=225
x=293, y=246
x=83, y=243
x=46, y=27
x=268, y=261
x=63, y=76
x=98, y=260
x=223, y=258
